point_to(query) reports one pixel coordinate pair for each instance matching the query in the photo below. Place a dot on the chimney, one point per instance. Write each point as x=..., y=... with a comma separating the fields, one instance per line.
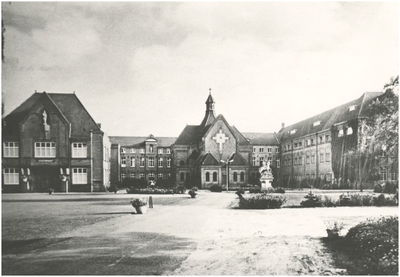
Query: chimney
x=283, y=125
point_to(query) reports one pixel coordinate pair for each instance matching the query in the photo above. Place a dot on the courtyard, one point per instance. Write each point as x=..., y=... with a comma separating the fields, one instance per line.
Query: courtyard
x=99, y=234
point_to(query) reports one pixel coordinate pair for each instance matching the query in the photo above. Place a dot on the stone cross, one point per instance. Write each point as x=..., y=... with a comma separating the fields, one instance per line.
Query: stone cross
x=220, y=138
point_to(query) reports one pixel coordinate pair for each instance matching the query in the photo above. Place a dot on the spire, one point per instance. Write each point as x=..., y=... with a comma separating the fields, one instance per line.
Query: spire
x=210, y=112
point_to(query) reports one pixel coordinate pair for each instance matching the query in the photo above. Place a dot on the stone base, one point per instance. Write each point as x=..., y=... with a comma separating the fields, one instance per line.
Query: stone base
x=266, y=184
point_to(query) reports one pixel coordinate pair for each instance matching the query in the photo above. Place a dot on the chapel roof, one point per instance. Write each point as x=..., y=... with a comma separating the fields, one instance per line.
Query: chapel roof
x=261, y=138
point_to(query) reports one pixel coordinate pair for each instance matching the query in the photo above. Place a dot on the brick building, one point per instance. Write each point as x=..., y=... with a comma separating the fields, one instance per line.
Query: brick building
x=202, y=152
x=51, y=141
x=147, y=158
x=313, y=150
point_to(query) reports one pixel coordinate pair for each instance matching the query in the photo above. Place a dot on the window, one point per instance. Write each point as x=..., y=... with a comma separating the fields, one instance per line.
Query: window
x=132, y=162
x=45, y=149
x=122, y=150
x=340, y=134
x=151, y=150
x=141, y=151
x=276, y=149
x=278, y=163
x=10, y=149
x=352, y=108
x=328, y=157
x=261, y=160
x=394, y=176
x=151, y=161
x=300, y=160
x=300, y=144
x=235, y=175
x=261, y=149
x=160, y=151
x=269, y=149
x=133, y=150
x=383, y=174
x=326, y=138
x=254, y=149
x=312, y=158
x=321, y=157
x=182, y=162
x=312, y=141
x=182, y=177
x=123, y=161
x=11, y=176
x=160, y=162
x=79, y=176
x=312, y=176
x=269, y=159
x=321, y=139
x=295, y=161
x=132, y=175
x=169, y=162
x=141, y=175
x=316, y=123
x=123, y=176
x=160, y=175
x=215, y=177
x=308, y=142
x=349, y=131
x=151, y=176
x=168, y=151
x=308, y=159
x=254, y=161
x=295, y=145
x=208, y=177
x=141, y=162
x=292, y=132
x=241, y=176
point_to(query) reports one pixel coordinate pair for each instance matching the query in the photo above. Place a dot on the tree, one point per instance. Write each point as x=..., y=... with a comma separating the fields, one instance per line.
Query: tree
x=379, y=135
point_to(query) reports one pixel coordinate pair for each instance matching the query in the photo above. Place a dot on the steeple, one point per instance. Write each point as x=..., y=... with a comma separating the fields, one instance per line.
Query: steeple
x=210, y=112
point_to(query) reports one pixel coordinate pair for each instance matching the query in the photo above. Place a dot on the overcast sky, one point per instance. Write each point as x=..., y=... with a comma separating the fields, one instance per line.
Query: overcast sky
x=145, y=68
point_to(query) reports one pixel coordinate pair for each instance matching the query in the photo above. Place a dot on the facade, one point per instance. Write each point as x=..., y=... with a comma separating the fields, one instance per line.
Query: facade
x=51, y=141
x=216, y=153
x=313, y=150
x=147, y=158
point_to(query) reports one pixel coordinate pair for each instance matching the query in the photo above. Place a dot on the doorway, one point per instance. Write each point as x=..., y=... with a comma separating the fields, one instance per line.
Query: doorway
x=44, y=178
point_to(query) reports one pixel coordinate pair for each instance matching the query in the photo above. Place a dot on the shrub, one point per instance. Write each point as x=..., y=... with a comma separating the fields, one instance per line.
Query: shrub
x=375, y=243
x=390, y=187
x=134, y=190
x=279, y=190
x=312, y=200
x=269, y=190
x=262, y=201
x=378, y=188
x=215, y=188
x=240, y=192
x=381, y=200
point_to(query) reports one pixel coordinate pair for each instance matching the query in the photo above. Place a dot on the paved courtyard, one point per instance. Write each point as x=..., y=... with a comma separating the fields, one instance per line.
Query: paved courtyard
x=98, y=234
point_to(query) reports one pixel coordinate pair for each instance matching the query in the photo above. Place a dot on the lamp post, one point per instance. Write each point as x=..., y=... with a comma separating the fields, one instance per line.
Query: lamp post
x=227, y=162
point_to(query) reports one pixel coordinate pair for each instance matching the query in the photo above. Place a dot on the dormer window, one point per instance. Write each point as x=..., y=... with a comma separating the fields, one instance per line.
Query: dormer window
x=292, y=132
x=349, y=131
x=352, y=108
x=316, y=123
x=341, y=133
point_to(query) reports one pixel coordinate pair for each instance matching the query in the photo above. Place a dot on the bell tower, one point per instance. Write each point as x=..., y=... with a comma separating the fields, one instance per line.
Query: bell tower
x=210, y=112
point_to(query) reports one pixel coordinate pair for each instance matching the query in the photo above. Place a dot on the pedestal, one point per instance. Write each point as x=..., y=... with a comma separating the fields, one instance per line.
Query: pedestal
x=266, y=183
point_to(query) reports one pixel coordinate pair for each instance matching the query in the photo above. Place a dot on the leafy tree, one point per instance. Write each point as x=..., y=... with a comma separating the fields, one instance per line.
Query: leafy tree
x=380, y=134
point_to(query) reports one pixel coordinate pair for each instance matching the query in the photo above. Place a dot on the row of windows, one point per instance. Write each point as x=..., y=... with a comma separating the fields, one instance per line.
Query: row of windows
x=261, y=149
x=141, y=150
x=46, y=150
x=11, y=176
x=142, y=161
x=308, y=142
x=141, y=175
x=323, y=157
x=349, y=131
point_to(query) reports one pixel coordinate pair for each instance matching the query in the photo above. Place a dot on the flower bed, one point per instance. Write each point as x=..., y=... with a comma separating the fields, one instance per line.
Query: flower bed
x=149, y=191
x=261, y=201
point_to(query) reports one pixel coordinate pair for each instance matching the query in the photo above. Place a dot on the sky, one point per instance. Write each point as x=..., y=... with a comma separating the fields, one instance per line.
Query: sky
x=143, y=68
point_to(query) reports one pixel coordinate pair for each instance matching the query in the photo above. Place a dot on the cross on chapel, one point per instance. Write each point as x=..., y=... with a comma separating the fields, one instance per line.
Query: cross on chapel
x=220, y=138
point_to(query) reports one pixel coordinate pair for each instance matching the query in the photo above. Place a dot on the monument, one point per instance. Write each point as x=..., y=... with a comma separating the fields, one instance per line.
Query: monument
x=266, y=176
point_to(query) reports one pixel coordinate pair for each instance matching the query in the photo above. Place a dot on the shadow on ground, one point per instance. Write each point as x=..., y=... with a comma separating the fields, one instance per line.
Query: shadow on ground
x=125, y=254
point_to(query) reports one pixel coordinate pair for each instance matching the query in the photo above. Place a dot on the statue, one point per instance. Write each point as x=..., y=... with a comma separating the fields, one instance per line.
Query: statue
x=44, y=117
x=265, y=170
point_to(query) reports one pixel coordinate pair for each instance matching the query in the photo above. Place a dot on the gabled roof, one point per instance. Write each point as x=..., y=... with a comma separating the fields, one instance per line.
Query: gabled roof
x=329, y=118
x=261, y=138
x=238, y=160
x=140, y=141
x=207, y=159
x=188, y=135
x=67, y=104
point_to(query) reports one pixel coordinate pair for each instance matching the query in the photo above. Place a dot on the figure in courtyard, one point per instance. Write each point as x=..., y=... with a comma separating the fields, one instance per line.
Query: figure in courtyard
x=265, y=170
